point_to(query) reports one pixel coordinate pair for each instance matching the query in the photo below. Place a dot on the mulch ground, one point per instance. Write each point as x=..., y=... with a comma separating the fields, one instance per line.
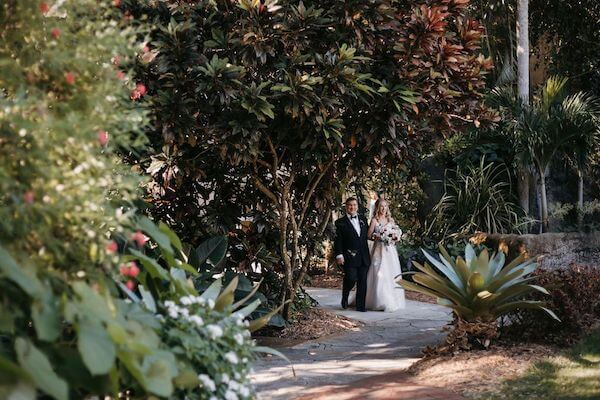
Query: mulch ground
x=476, y=372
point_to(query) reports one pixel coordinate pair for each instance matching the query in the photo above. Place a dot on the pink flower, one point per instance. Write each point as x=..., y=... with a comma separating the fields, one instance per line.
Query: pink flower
x=55, y=32
x=44, y=7
x=141, y=88
x=134, y=270
x=70, y=78
x=29, y=197
x=102, y=137
x=146, y=49
x=121, y=75
x=112, y=247
x=124, y=269
x=139, y=238
x=116, y=3
x=130, y=285
x=116, y=60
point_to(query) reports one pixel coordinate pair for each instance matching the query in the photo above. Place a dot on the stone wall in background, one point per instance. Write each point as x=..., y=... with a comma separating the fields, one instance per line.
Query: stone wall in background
x=554, y=250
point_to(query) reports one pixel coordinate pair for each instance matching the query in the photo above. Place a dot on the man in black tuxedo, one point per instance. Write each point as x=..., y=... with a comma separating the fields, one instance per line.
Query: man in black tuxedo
x=352, y=252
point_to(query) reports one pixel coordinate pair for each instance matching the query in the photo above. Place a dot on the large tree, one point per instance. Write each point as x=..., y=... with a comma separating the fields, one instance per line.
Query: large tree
x=267, y=109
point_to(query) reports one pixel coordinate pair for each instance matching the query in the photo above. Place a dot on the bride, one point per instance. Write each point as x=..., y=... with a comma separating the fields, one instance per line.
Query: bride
x=383, y=294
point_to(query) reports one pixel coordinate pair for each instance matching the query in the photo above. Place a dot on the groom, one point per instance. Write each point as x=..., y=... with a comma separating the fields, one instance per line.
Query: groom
x=352, y=252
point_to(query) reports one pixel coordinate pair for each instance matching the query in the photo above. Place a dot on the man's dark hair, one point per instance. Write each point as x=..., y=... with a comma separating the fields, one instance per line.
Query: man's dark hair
x=349, y=199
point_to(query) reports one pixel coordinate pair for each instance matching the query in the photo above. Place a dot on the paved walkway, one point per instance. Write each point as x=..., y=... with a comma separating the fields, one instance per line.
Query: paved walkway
x=370, y=358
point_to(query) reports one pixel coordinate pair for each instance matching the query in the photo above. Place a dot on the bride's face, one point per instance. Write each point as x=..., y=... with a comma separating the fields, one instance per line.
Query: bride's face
x=383, y=208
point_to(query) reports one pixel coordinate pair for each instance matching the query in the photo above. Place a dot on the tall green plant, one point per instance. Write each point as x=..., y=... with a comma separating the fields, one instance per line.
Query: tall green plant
x=553, y=126
x=477, y=198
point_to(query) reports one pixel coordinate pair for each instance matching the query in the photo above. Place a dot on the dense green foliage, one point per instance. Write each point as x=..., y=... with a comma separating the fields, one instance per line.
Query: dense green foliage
x=82, y=315
x=477, y=198
x=59, y=130
x=264, y=111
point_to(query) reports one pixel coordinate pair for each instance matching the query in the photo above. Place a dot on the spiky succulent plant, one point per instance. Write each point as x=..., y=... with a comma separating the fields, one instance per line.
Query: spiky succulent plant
x=477, y=287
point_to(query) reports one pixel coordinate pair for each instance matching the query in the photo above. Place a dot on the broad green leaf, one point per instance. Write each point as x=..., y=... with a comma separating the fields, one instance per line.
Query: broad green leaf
x=46, y=317
x=95, y=346
x=23, y=278
x=210, y=251
x=249, y=309
x=151, y=265
x=147, y=226
x=226, y=297
x=147, y=299
x=159, y=371
x=91, y=302
x=174, y=239
x=213, y=290
x=37, y=365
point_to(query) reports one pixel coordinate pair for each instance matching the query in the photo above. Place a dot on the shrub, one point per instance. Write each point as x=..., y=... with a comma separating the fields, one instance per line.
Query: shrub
x=574, y=297
x=165, y=340
x=477, y=198
x=479, y=289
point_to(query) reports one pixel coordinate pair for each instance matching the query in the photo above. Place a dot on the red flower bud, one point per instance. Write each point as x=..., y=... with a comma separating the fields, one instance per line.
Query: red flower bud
x=146, y=49
x=121, y=75
x=55, y=32
x=124, y=269
x=44, y=7
x=116, y=3
x=141, y=88
x=70, y=78
x=139, y=238
x=102, y=137
x=112, y=247
x=134, y=270
x=116, y=60
x=28, y=197
x=130, y=285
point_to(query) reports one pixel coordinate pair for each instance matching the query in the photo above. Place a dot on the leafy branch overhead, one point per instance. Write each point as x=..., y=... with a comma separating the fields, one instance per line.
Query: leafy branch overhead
x=266, y=108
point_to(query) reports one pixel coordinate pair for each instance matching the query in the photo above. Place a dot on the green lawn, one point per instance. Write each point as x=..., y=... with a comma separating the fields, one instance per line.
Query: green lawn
x=572, y=375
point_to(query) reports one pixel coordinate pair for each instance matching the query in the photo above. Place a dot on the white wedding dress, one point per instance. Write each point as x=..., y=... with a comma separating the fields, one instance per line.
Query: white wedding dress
x=383, y=293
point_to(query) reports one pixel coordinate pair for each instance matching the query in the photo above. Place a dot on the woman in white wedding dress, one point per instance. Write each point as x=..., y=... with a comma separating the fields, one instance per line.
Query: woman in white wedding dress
x=383, y=293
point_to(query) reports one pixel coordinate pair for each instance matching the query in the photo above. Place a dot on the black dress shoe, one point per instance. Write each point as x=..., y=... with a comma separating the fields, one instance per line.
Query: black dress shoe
x=361, y=309
x=344, y=303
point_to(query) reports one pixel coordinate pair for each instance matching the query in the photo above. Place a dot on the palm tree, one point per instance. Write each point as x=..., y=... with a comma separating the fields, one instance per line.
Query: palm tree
x=582, y=112
x=555, y=124
x=523, y=87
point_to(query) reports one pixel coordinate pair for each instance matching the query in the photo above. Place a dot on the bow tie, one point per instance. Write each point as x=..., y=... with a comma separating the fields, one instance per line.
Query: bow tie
x=354, y=216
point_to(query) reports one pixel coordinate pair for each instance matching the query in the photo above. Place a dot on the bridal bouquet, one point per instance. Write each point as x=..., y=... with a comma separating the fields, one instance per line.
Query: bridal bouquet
x=390, y=234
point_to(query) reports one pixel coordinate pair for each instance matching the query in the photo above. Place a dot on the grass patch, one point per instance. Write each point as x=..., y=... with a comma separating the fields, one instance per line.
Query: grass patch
x=572, y=375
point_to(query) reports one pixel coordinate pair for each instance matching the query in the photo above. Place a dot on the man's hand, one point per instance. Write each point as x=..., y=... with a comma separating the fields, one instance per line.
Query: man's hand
x=339, y=259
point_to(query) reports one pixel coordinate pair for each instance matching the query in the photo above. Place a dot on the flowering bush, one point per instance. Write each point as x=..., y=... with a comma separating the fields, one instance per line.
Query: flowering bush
x=216, y=343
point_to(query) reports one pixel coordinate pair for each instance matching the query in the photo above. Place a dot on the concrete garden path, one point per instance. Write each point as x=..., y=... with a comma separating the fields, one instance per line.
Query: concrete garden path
x=369, y=358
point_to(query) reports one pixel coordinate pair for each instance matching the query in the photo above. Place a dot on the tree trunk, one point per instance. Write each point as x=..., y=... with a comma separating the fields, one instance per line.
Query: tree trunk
x=544, y=201
x=523, y=181
x=523, y=184
x=580, y=199
x=523, y=50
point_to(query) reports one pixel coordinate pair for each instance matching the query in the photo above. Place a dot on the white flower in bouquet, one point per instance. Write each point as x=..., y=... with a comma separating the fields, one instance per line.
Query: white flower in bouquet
x=390, y=234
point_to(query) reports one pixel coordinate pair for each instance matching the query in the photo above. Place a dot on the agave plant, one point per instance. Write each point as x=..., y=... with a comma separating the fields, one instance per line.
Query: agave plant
x=477, y=287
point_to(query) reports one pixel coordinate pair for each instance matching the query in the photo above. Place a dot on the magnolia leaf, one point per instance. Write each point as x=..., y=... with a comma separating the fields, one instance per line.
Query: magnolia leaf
x=23, y=278
x=37, y=365
x=95, y=346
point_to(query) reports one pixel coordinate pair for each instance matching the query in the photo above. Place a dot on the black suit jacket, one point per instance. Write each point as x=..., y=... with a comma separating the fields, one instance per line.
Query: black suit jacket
x=353, y=247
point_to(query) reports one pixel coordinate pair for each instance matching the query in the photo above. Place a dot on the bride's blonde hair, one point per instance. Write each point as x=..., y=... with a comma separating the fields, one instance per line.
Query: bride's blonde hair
x=379, y=205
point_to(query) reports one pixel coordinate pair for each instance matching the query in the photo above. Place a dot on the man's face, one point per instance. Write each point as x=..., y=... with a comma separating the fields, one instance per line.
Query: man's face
x=352, y=207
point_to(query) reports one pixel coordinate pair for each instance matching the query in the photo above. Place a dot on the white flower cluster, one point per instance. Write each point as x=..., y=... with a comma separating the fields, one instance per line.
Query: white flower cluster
x=234, y=390
x=174, y=311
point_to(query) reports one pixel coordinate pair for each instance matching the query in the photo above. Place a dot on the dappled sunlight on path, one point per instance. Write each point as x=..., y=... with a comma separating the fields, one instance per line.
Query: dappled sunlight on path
x=387, y=342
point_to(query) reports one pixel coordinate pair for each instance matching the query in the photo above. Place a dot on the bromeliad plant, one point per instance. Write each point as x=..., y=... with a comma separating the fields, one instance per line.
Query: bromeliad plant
x=478, y=288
